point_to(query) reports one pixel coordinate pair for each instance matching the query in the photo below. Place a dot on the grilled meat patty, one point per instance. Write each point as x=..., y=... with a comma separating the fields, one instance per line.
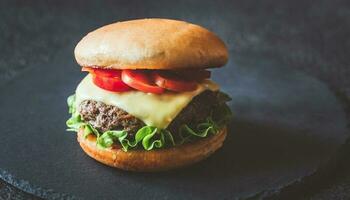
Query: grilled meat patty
x=106, y=117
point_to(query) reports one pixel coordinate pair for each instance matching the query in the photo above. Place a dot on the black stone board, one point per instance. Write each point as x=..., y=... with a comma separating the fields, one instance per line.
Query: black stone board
x=286, y=123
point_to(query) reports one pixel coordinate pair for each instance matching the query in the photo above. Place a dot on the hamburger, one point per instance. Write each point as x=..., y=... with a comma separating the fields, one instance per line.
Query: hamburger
x=147, y=102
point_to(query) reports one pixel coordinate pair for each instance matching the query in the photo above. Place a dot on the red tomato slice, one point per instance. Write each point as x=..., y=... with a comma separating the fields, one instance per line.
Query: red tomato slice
x=108, y=79
x=173, y=82
x=140, y=80
x=114, y=84
x=103, y=72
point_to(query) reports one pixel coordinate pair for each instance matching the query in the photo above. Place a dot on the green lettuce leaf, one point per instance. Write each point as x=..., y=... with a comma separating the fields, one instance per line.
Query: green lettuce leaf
x=109, y=137
x=89, y=129
x=71, y=102
x=149, y=137
x=202, y=130
x=74, y=123
x=168, y=137
x=148, y=142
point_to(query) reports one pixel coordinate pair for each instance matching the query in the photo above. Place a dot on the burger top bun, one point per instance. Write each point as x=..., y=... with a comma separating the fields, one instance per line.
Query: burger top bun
x=151, y=44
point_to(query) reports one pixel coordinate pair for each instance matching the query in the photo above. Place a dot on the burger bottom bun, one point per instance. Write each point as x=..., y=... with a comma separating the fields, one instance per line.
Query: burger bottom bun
x=154, y=160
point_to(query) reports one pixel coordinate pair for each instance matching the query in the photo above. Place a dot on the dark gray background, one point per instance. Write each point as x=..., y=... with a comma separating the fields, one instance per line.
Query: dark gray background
x=305, y=35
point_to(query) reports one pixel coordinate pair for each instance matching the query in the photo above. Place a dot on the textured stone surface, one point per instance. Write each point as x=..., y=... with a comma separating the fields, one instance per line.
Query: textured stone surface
x=305, y=35
x=9, y=192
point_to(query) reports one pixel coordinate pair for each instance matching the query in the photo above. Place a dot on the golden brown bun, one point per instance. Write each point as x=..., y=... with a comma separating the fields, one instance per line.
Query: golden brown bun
x=154, y=160
x=151, y=44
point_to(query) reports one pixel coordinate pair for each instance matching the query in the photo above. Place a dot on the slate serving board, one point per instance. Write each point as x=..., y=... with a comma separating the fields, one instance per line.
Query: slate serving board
x=286, y=124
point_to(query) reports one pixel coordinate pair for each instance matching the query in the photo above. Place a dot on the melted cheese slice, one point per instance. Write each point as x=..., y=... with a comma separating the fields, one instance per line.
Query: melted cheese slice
x=152, y=109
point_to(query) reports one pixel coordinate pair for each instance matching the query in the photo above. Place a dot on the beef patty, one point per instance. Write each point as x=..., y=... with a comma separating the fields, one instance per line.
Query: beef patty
x=106, y=117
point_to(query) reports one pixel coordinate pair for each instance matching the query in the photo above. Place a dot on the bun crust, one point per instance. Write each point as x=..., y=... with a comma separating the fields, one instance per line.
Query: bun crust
x=151, y=44
x=155, y=160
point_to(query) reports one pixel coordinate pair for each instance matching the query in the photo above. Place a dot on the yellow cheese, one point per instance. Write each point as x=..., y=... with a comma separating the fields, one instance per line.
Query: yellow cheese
x=152, y=109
